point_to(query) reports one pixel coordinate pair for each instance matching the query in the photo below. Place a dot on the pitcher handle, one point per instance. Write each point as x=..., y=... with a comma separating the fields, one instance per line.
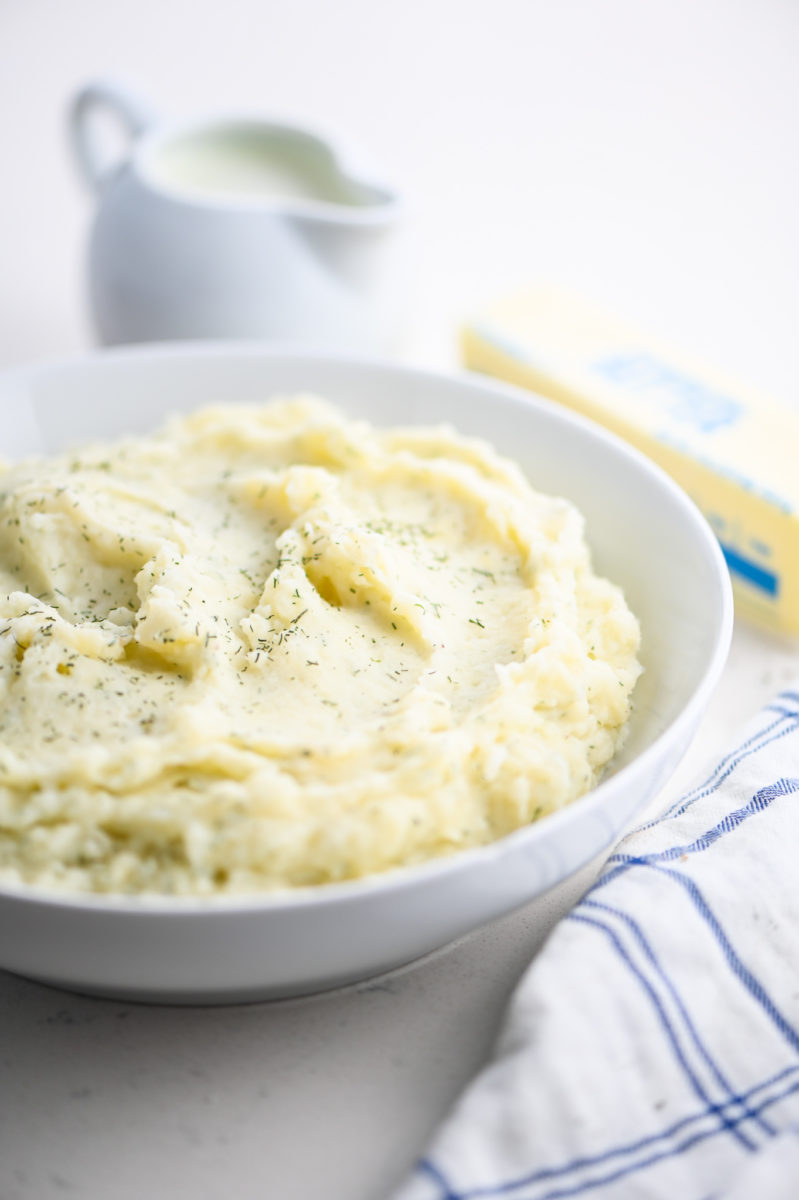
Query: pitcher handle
x=127, y=109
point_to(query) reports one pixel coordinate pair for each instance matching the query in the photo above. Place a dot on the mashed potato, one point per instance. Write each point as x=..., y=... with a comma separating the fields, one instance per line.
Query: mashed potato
x=270, y=647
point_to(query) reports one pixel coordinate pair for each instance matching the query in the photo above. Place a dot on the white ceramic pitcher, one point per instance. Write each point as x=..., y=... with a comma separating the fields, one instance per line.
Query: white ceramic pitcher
x=236, y=227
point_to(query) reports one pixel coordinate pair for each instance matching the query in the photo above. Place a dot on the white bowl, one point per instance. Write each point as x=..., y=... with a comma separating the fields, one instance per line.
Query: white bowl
x=645, y=534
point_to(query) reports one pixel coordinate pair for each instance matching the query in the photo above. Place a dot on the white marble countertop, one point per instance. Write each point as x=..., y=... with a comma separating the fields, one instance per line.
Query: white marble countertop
x=641, y=154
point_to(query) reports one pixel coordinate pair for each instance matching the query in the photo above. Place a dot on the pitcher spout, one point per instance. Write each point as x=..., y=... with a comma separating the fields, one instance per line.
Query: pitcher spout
x=269, y=164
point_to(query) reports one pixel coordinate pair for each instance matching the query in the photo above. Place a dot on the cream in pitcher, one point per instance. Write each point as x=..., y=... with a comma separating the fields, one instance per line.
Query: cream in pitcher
x=236, y=227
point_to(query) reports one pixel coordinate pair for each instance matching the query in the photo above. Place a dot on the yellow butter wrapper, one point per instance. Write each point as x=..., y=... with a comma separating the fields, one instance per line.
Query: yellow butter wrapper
x=734, y=452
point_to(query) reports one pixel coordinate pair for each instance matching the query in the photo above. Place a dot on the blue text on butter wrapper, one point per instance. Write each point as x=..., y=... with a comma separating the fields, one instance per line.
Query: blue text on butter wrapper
x=689, y=400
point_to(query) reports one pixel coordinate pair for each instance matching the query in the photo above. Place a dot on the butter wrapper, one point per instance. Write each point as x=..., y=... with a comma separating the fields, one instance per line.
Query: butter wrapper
x=733, y=451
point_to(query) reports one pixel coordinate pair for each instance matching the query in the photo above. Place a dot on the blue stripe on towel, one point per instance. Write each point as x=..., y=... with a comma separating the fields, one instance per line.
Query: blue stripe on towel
x=651, y=957
x=587, y=1185
x=743, y=753
x=666, y=1024
x=742, y=972
x=548, y=1174
x=789, y=719
x=759, y=803
x=431, y=1170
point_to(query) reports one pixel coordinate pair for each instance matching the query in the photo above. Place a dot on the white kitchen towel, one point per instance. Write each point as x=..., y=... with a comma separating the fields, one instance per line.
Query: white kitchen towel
x=652, y=1048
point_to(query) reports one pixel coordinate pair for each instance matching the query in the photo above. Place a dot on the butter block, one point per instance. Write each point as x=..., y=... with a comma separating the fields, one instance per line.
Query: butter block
x=734, y=452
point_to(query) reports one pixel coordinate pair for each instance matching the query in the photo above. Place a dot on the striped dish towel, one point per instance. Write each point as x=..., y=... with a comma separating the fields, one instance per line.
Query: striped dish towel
x=652, y=1048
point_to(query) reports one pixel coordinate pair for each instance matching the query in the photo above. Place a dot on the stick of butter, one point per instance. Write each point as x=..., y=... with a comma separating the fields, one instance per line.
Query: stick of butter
x=736, y=454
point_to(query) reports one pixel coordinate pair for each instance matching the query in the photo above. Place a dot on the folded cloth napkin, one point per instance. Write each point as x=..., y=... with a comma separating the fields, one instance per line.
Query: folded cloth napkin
x=652, y=1048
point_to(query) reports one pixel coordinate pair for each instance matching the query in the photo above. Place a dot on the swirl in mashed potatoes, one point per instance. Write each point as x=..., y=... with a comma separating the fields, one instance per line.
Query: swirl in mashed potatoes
x=270, y=647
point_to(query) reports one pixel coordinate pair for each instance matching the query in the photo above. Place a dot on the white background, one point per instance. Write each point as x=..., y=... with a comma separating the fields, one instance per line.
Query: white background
x=642, y=152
